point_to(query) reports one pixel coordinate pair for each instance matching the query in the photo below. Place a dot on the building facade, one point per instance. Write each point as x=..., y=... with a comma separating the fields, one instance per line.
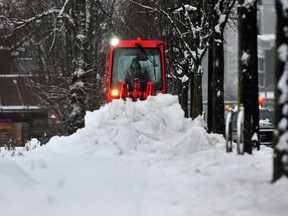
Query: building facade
x=20, y=118
x=266, y=45
x=266, y=18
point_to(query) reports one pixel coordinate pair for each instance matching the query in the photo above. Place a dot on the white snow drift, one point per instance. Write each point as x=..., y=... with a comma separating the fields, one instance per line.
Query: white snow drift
x=140, y=158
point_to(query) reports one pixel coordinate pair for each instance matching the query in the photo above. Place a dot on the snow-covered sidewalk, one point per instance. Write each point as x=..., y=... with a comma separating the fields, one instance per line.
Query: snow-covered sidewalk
x=141, y=159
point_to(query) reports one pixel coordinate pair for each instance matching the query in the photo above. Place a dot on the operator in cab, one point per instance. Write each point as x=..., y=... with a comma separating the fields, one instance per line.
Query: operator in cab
x=137, y=74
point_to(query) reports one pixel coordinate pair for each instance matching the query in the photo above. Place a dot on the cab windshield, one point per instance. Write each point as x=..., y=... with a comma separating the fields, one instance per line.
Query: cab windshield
x=149, y=60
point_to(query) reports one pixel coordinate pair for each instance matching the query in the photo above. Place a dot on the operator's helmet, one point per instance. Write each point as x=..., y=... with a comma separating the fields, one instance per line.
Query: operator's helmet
x=135, y=63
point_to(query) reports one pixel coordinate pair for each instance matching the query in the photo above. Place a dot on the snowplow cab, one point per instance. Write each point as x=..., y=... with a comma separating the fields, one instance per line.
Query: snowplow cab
x=135, y=69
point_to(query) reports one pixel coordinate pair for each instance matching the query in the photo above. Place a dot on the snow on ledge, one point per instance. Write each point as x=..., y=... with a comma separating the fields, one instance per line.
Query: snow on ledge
x=18, y=108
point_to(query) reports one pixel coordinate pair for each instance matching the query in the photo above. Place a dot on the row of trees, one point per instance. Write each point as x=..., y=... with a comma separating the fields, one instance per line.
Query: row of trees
x=248, y=82
x=192, y=29
x=67, y=40
x=63, y=39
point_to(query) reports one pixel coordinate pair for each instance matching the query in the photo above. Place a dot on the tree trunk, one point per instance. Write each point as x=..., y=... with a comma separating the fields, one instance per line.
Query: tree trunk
x=191, y=93
x=184, y=103
x=247, y=76
x=218, y=80
x=220, y=15
x=254, y=77
x=93, y=92
x=76, y=87
x=210, y=90
x=280, y=164
x=197, y=100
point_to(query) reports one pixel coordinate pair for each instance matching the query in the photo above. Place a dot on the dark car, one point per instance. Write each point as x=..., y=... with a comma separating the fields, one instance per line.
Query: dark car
x=266, y=126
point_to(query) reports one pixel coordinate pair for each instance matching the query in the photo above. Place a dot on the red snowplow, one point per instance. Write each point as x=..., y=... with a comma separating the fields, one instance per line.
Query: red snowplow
x=135, y=69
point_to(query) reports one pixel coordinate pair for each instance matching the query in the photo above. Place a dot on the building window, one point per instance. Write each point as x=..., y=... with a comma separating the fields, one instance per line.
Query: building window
x=5, y=65
x=261, y=80
x=13, y=133
x=261, y=63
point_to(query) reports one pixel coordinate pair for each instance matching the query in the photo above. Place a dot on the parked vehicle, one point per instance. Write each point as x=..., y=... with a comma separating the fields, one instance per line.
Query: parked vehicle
x=266, y=127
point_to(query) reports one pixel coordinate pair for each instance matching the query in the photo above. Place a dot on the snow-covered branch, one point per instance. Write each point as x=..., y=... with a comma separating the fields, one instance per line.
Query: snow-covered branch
x=142, y=5
x=20, y=23
x=63, y=8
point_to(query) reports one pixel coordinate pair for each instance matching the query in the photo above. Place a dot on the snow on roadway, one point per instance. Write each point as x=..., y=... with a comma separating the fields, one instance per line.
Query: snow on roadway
x=141, y=159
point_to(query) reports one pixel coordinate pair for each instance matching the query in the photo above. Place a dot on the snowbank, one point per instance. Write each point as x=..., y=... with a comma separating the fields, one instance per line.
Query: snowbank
x=155, y=125
x=141, y=159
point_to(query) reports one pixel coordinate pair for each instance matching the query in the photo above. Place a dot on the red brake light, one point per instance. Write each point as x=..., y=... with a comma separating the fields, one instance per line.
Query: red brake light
x=261, y=101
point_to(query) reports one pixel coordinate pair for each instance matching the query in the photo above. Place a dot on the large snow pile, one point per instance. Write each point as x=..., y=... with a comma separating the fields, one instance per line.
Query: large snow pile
x=155, y=125
x=140, y=158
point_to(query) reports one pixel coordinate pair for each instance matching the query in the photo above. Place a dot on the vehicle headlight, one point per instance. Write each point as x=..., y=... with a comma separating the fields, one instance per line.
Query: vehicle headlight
x=114, y=41
x=115, y=93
